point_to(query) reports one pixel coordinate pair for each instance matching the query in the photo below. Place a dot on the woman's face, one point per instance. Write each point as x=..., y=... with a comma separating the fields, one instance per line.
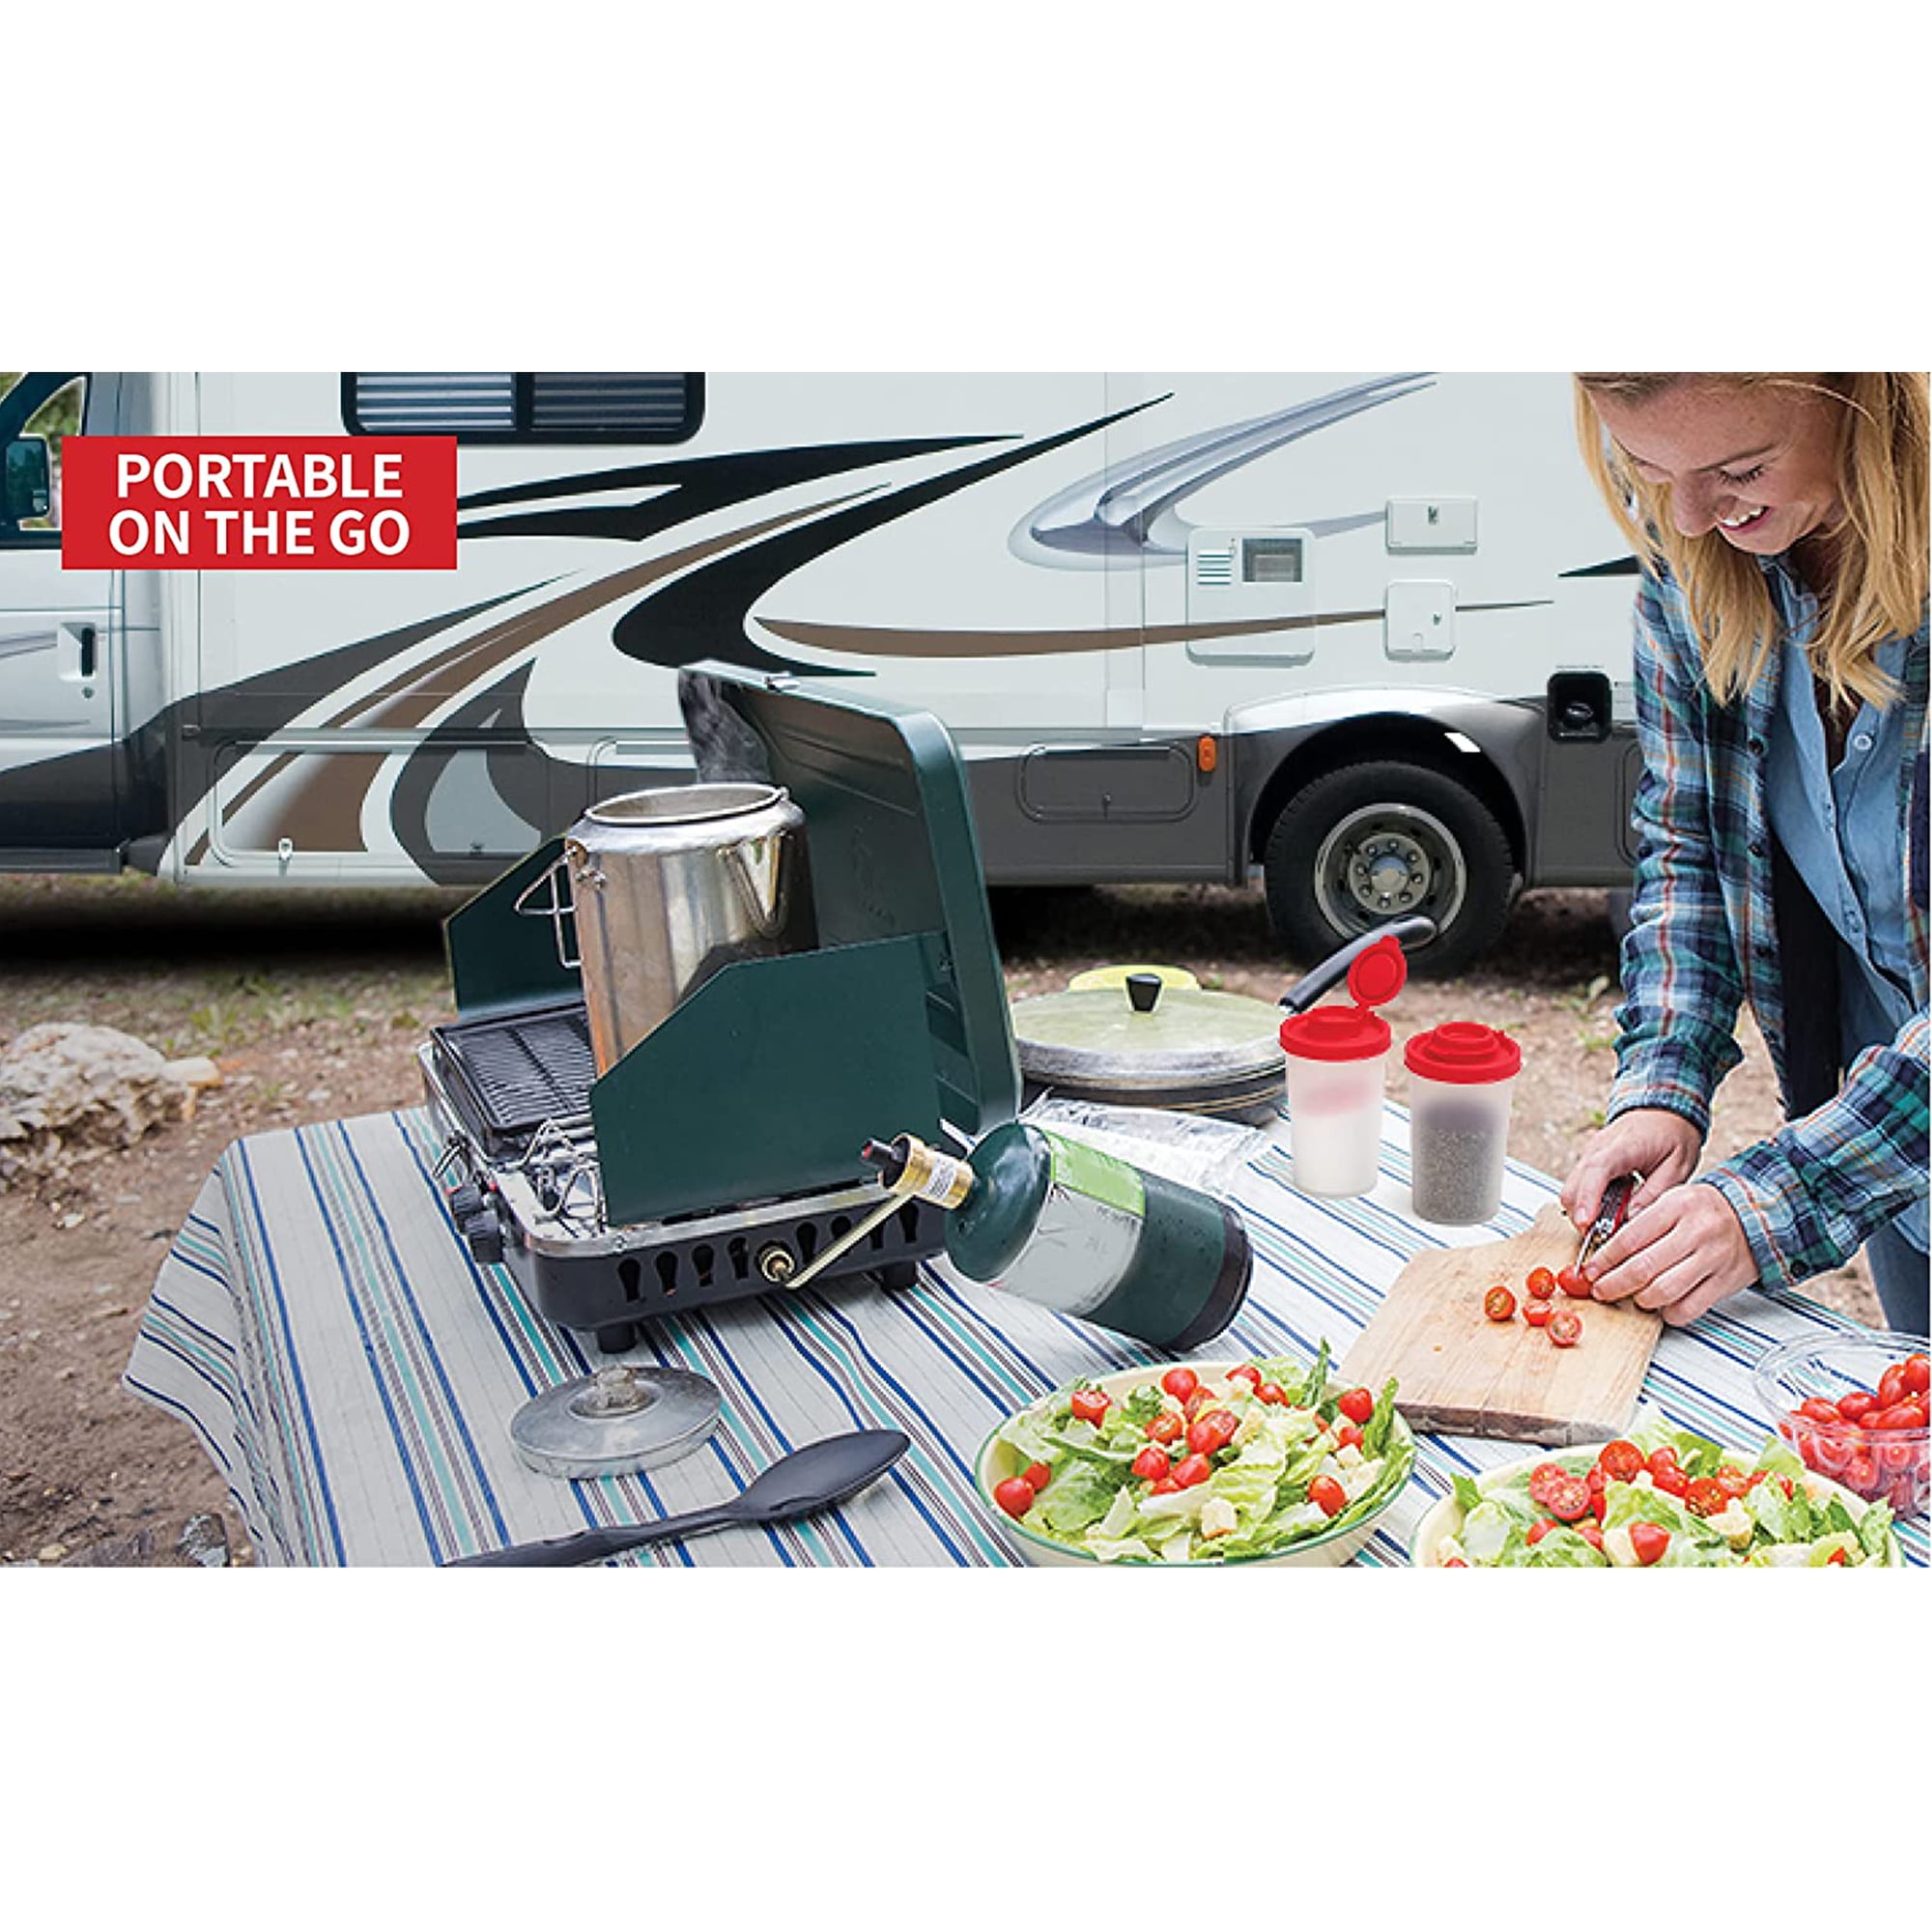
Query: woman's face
x=1758, y=466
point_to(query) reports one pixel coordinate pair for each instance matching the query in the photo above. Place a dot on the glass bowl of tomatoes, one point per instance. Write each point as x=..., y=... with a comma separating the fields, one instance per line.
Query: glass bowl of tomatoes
x=1854, y=1405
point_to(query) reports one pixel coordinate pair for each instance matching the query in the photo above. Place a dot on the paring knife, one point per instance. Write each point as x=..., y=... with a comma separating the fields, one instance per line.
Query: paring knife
x=1612, y=1210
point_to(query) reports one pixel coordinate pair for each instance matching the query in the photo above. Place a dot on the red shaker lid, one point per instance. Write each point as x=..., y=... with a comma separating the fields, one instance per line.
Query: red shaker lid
x=1464, y=1054
x=1358, y=1031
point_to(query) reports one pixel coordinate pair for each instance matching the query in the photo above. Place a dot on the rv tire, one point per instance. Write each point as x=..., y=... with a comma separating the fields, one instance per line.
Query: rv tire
x=1374, y=841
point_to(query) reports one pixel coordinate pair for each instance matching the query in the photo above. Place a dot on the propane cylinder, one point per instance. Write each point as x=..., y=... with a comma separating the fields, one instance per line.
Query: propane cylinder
x=1056, y=1222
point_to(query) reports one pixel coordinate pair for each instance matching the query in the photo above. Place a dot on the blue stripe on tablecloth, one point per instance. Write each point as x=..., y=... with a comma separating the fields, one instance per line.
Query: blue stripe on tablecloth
x=443, y=1410
x=307, y=1471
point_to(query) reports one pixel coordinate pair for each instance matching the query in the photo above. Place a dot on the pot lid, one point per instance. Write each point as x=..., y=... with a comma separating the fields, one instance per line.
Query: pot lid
x=1184, y=1037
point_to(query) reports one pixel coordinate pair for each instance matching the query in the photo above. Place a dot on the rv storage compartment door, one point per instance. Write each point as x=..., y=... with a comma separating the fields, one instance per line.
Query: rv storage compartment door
x=1249, y=595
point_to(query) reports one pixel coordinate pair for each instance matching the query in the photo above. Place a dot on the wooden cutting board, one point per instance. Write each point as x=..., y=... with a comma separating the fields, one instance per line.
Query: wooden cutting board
x=1462, y=1373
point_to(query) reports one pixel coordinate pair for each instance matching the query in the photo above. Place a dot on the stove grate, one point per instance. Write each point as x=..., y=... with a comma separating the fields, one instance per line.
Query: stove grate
x=517, y=1071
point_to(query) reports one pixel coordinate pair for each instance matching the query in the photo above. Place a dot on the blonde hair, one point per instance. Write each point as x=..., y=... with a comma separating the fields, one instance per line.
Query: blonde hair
x=1877, y=587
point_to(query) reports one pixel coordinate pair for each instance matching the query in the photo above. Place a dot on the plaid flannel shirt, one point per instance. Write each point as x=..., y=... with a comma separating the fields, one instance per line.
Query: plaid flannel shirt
x=1704, y=939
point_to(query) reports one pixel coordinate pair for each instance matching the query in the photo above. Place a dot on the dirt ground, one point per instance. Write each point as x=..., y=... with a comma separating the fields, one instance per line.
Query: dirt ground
x=313, y=1006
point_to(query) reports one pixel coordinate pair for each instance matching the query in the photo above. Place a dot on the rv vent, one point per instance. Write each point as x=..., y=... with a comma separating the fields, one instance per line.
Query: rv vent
x=605, y=404
x=1214, y=566
x=435, y=405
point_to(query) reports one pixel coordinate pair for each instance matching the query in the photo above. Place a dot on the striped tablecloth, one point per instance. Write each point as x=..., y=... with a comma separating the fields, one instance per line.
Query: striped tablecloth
x=325, y=1333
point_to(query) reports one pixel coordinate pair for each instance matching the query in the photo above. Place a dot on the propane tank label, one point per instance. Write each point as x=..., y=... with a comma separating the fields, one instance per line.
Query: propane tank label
x=1080, y=1251
x=1085, y=1170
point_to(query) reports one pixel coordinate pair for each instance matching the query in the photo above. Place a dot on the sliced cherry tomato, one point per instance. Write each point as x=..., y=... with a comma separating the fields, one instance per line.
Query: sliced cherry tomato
x=1166, y=1486
x=1359, y=1404
x=1671, y=1480
x=1591, y=1534
x=1543, y=1480
x=1349, y=1436
x=1918, y=1375
x=1246, y=1372
x=1499, y=1304
x=1595, y=1480
x=1566, y=1328
x=1166, y=1427
x=1455, y=1563
x=1542, y=1284
x=1152, y=1463
x=1733, y=1481
x=1649, y=1540
x=1180, y=1383
x=1854, y=1405
x=1327, y=1495
x=1891, y=1386
x=1570, y=1499
x=1273, y=1394
x=1192, y=1470
x=1600, y=1504
x=1213, y=1430
x=1818, y=1409
x=1836, y=1557
x=1572, y=1281
x=1620, y=1460
x=1707, y=1496
x=1538, y=1530
x=1661, y=1459
x=1202, y=1398
x=1092, y=1406
x=1015, y=1495
x=1536, y=1313
x=1036, y=1476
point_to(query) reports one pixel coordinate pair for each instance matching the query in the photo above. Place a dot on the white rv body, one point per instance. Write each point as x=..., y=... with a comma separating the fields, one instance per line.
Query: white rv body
x=1083, y=575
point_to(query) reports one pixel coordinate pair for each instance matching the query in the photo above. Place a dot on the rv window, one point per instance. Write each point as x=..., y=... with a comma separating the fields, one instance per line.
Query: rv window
x=49, y=406
x=570, y=407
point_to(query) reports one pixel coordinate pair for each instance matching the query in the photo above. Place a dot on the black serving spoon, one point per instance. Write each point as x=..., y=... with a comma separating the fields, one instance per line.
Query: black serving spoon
x=802, y=1483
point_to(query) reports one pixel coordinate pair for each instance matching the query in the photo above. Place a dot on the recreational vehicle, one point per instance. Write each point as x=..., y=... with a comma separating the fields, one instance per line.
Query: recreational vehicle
x=1363, y=637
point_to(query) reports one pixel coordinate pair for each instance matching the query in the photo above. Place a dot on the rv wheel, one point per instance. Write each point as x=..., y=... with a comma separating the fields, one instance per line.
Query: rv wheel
x=1371, y=842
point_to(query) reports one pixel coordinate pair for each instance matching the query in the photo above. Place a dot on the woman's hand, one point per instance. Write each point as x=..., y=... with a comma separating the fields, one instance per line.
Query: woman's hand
x=1682, y=1254
x=1651, y=1141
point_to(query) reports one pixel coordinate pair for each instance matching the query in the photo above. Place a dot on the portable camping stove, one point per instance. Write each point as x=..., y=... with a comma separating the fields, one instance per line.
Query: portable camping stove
x=719, y=1157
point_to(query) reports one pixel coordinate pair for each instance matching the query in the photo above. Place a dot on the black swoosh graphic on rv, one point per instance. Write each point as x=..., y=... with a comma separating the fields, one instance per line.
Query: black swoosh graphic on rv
x=701, y=617
x=1618, y=566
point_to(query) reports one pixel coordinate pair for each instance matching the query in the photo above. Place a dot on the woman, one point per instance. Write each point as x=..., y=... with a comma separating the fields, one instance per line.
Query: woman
x=1780, y=661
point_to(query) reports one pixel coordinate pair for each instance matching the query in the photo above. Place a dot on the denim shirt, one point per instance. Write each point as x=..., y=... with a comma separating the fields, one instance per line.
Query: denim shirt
x=1839, y=825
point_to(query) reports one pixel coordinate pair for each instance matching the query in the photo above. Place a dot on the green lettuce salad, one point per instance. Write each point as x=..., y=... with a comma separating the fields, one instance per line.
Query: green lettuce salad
x=1247, y=1461
x=1775, y=1513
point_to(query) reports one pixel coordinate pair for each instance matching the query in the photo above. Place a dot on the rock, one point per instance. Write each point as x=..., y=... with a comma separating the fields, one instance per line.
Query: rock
x=200, y=1541
x=69, y=1091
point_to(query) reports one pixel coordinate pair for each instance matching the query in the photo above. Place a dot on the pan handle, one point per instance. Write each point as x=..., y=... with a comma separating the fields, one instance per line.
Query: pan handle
x=1415, y=930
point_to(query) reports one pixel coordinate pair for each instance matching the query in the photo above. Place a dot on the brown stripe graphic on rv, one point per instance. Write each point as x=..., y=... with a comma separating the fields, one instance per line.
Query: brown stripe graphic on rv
x=891, y=644
x=316, y=812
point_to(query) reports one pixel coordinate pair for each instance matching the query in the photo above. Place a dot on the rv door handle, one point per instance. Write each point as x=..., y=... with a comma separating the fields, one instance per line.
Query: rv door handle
x=87, y=650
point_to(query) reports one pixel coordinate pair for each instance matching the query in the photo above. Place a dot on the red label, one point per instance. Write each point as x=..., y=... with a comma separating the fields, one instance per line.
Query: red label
x=265, y=502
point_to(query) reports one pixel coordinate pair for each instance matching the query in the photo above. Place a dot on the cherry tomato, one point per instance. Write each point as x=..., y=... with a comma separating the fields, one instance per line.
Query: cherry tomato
x=1359, y=1404
x=1671, y=1480
x=1538, y=1530
x=1542, y=1284
x=1591, y=1534
x=1455, y=1563
x=1620, y=1460
x=1918, y=1375
x=1536, y=1313
x=1036, y=1476
x=1890, y=1386
x=1166, y=1427
x=1202, y=1398
x=1152, y=1463
x=1836, y=1557
x=1349, y=1436
x=1600, y=1504
x=1566, y=1328
x=1246, y=1372
x=1327, y=1495
x=1180, y=1383
x=1166, y=1486
x=1543, y=1480
x=1860, y=1475
x=1895, y=1457
x=1571, y=1282
x=1733, y=1481
x=1852, y=1406
x=1272, y=1393
x=1015, y=1495
x=1818, y=1409
x=1707, y=1496
x=1649, y=1540
x=1499, y=1304
x=1192, y=1470
x=1660, y=1458
x=1213, y=1430
x=1092, y=1406
x=1595, y=1480
x=1569, y=1499
x=1907, y=1414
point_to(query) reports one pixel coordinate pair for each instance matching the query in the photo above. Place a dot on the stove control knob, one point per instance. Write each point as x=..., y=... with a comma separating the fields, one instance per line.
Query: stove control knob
x=465, y=1203
x=485, y=1235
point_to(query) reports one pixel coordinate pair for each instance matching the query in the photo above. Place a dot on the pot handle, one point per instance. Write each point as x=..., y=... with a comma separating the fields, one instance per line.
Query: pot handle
x=552, y=909
x=1415, y=930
